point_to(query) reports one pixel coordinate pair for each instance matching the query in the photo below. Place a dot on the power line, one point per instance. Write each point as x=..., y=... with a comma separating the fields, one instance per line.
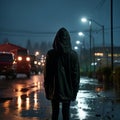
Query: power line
x=100, y=4
x=35, y=34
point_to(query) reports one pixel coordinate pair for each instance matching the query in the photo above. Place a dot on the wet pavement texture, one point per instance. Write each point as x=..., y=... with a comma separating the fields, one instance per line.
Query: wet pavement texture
x=24, y=99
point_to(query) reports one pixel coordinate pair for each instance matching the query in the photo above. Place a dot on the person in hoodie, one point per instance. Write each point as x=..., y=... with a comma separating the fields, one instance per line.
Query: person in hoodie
x=61, y=74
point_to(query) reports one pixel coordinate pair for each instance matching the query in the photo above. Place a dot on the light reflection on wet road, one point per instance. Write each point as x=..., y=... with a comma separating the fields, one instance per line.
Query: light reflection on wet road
x=24, y=99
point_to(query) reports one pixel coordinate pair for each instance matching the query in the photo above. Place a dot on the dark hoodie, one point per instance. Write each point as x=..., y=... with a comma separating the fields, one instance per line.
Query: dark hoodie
x=62, y=74
x=62, y=42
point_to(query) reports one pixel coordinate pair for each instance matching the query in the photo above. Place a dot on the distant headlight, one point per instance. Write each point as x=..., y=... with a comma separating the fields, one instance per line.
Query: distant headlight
x=35, y=62
x=14, y=62
x=27, y=58
x=19, y=58
x=43, y=64
x=39, y=63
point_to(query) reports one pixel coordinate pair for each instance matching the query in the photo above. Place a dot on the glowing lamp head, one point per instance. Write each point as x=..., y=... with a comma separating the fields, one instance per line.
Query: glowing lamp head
x=84, y=20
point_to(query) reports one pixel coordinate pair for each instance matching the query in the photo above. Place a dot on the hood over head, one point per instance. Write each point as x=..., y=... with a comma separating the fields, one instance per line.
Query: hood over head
x=62, y=42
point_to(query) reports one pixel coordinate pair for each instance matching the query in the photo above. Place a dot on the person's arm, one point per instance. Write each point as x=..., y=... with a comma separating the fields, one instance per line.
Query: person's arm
x=75, y=74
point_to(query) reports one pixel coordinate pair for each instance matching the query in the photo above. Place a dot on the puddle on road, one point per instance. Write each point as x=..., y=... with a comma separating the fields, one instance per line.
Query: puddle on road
x=24, y=100
x=93, y=102
x=31, y=104
x=26, y=107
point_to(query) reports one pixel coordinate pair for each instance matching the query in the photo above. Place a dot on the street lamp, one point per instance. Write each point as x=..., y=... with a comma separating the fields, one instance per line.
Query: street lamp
x=78, y=42
x=81, y=34
x=84, y=20
x=84, y=58
x=78, y=47
x=102, y=26
x=36, y=53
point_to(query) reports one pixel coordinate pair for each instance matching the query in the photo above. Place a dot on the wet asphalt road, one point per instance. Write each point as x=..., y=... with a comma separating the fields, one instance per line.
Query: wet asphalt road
x=24, y=99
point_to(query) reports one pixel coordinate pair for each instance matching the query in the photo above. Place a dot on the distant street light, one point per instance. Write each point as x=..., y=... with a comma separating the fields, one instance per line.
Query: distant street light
x=83, y=60
x=37, y=53
x=76, y=47
x=81, y=34
x=78, y=42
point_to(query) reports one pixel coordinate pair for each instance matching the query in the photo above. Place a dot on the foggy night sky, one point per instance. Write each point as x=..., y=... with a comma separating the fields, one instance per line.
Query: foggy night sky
x=39, y=20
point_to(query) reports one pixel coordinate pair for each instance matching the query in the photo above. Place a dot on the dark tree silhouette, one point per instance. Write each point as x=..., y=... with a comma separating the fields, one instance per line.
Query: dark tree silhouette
x=6, y=40
x=29, y=47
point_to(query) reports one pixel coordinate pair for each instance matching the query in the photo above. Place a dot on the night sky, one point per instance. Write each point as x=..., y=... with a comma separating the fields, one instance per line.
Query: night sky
x=39, y=20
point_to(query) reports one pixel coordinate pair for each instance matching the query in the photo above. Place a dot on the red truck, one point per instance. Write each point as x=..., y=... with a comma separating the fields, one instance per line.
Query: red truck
x=21, y=55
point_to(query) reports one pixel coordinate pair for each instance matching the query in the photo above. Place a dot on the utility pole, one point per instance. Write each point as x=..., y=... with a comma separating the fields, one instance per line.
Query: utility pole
x=111, y=11
x=90, y=45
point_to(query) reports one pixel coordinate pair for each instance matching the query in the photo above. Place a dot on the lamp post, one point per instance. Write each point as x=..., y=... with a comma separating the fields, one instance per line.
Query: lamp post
x=111, y=11
x=79, y=44
x=90, y=25
x=102, y=26
x=77, y=47
x=84, y=60
x=90, y=32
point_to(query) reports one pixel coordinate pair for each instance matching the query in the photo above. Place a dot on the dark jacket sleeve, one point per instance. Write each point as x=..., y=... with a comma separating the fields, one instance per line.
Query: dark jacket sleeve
x=49, y=75
x=75, y=73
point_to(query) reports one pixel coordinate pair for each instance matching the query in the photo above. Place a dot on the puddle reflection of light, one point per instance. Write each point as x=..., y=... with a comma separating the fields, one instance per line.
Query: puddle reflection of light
x=27, y=103
x=18, y=94
x=35, y=101
x=6, y=105
x=24, y=102
x=81, y=106
x=99, y=89
x=39, y=85
x=19, y=102
x=37, y=82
